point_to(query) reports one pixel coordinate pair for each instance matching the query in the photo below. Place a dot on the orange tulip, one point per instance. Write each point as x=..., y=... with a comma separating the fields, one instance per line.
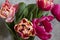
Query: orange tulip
x=24, y=29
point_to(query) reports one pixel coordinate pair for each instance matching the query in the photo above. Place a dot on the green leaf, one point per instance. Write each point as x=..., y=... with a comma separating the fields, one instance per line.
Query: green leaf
x=32, y=11
x=7, y=25
x=31, y=38
x=31, y=7
x=23, y=15
x=22, y=6
x=10, y=25
x=40, y=14
x=30, y=16
x=18, y=37
x=19, y=18
x=35, y=12
x=10, y=30
x=25, y=12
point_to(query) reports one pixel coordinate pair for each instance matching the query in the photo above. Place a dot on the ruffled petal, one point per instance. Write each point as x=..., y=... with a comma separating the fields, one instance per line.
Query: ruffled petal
x=43, y=27
x=48, y=18
x=9, y=19
x=25, y=29
x=47, y=25
x=41, y=33
x=8, y=11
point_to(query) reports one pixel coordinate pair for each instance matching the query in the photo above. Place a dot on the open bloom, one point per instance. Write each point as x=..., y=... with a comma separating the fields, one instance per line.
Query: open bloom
x=24, y=29
x=7, y=11
x=45, y=4
x=56, y=11
x=43, y=27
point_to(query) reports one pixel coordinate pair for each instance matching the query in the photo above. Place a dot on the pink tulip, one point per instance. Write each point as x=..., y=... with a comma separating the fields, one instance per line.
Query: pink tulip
x=43, y=27
x=24, y=29
x=7, y=11
x=56, y=11
x=45, y=5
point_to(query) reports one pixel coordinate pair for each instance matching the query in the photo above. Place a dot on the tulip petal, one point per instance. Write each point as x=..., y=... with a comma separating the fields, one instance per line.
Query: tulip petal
x=56, y=11
x=9, y=19
x=41, y=33
x=34, y=22
x=47, y=25
x=7, y=3
x=48, y=18
x=45, y=5
x=2, y=15
x=45, y=20
x=16, y=6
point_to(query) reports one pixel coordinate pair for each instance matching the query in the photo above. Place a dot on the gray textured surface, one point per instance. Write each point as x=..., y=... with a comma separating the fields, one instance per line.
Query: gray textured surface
x=5, y=35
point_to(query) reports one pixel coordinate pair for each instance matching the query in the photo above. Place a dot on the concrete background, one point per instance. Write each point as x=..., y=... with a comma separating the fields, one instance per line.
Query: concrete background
x=5, y=35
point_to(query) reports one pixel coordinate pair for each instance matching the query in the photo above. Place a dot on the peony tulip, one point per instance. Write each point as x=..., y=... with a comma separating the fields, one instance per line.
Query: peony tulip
x=45, y=5
x=7, y=11
x=43, y=27
x=24, y=29
x=56, y=11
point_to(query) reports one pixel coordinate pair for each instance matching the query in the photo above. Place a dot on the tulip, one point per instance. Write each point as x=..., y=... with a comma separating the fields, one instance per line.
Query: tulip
x=56, y=11
x=7, y=11
x=45, y=5
x=24, y=29
x=43, y=27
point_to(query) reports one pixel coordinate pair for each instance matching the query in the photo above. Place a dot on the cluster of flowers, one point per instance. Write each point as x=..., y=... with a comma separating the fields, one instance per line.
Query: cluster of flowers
x=40, y=27
x=47, y=5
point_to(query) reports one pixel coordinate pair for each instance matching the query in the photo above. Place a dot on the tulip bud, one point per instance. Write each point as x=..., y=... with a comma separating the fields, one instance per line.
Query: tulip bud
x=24, y=29
x=56, y=11
x=45, y=5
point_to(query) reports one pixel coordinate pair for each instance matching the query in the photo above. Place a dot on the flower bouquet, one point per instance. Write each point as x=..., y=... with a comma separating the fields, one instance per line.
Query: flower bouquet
x=27, y=21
